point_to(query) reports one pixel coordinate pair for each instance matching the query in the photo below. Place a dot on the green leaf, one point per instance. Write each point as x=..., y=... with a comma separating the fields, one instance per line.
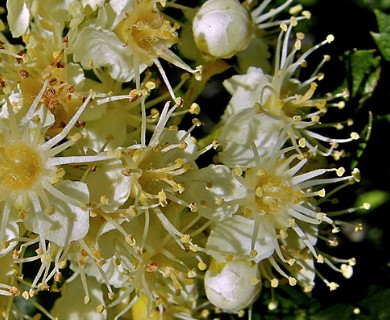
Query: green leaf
x=376, y=304
x=373, y=4
x=385, y=117
x=364, y=138
x=363, y=68
x=336, y=311
x=375, y=198
x=382, y=38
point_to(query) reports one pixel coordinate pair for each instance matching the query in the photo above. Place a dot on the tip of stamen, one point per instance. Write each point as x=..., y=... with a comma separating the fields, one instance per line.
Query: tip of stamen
x=306, y=14
x=295, y=9
x=330, y=38
x=356, y=174
x=283, y=26
x=272, y=305
x=340, y=171
x=292, y=281
x=294, y=21
x=355, y=136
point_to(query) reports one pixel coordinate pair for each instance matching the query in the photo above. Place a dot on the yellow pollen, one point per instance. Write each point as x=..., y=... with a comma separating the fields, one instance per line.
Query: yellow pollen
x=202, y=266
x=330, y=38
x=292, y=281
x=194, y=108
x=306, y=14
x=340, y=171
x=273, y=194
x=20, y=167
x=355, y=136
x=295, y=9
x=294, y=21
x=297, y=45
x=100, y=308
x=274, y=283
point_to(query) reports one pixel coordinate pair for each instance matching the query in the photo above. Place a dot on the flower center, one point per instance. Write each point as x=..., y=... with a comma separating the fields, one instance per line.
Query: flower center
x=273, y=194
x=20, y=166
x=155, y=176
x=289, y=103
x=146, y=32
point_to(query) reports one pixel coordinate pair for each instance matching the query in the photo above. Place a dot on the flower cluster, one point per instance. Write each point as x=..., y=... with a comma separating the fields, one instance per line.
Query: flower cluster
x=107, y=199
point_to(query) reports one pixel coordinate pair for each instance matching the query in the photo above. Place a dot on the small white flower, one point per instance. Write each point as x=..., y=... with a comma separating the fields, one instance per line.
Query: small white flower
x=283, y=207
x=126, y=37
x=284, y=98
x=31, y=174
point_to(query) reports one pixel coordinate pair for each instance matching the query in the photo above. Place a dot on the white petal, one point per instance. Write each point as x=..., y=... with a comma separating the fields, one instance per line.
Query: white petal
x=108, y=181
x=11, y=232
x=68, y=222
x=212, y=189
x=245, y=89
x=111, y=127
x=71, y=306
x=233, y=236
x=243, y=130
x=18, y=17
x=94, y=4
x=101, y=48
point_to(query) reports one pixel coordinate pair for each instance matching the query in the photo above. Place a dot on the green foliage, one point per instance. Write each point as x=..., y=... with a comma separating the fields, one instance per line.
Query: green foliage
x=363, y=72
x=375, y=306
x=382, y=38
x=375, y=198
x=374, y=4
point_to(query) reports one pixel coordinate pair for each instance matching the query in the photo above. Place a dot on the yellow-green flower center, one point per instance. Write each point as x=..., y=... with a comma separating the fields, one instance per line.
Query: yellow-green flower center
x=20, y=166
x=146, y=32
x=273, y=194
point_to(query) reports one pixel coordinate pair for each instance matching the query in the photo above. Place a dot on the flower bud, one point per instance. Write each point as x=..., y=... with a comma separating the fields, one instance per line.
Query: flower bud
x=234, y=285
x=222, y=28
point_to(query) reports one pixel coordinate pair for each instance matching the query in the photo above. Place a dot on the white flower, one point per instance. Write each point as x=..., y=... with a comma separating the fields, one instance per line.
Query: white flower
x=245, y=89
x=126, y=37
x=284, y=98
x=139, y=256
x=31, y=173
x=282, y=202
x=140, y=224
x=42, y=29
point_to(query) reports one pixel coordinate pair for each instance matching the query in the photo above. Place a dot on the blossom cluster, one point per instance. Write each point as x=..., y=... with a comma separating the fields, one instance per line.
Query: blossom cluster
x=107, y=202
